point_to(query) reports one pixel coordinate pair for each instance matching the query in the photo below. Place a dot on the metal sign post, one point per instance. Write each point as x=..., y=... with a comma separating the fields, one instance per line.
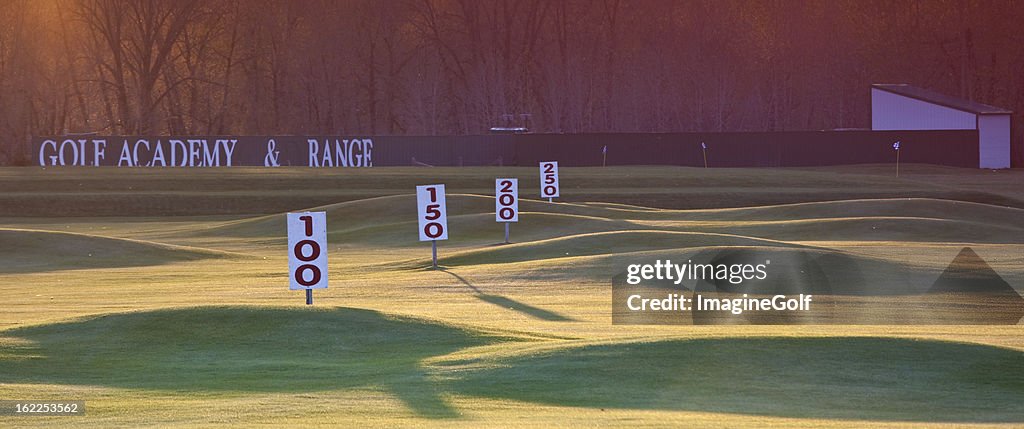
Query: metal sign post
x=896, y=147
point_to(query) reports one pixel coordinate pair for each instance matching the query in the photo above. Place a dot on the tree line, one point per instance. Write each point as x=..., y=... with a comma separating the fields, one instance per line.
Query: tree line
x=442, y=67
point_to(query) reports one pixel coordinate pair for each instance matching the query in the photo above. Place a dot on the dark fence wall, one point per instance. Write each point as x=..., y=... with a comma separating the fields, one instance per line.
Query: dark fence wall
x=774, y=149
x=757, y=149
x=447, y=150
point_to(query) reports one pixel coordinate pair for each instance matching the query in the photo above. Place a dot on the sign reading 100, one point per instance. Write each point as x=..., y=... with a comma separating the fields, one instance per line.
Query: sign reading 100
x=307, y=255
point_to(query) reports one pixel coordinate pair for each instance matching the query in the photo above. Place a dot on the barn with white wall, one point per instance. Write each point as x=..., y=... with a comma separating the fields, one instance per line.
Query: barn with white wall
x=905, y=107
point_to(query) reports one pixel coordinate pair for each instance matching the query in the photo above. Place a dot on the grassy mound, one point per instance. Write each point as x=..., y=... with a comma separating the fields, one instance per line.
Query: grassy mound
x=240, y=349
x=791, y=269
x=834, y=378
x=391, y=221
x=602, y=243
x=875, y=228
x=907, y=207
x=482, y=230
x=23, y=250
x=927, y=208
x=348, y=216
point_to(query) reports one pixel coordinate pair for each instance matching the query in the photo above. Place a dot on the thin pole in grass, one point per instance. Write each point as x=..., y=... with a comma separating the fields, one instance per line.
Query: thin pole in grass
x=704, y=151
x=896, y=147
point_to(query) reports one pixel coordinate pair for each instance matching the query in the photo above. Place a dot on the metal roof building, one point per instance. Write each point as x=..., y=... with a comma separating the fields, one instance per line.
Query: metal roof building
x=905, y=107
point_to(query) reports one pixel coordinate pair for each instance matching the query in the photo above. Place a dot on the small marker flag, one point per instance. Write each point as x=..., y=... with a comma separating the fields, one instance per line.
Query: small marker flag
x=896, y=146
x=703, y=146
x=604, y=149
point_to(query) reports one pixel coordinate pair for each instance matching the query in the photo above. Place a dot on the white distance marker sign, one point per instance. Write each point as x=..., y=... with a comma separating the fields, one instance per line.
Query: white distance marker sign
x=549, y=179
x=307, y=250
x=433, y=212
x=506, y=200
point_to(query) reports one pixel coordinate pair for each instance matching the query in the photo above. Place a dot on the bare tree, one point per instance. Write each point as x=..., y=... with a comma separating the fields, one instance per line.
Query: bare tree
x=454, y=66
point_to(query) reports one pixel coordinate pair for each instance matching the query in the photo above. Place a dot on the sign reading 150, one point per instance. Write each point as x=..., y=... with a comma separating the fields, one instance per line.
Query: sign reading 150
x=433, y=212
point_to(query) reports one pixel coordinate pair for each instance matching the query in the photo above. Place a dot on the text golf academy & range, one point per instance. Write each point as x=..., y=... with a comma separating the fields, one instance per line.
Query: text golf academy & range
x=214, y=151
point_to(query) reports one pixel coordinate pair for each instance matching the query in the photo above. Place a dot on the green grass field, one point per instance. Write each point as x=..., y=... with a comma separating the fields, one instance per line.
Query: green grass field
x=160, y=297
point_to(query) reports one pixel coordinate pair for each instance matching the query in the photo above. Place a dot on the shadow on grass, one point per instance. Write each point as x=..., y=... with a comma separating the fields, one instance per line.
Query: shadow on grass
x=240, y=349
x=511, y=304
x=830, y=378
